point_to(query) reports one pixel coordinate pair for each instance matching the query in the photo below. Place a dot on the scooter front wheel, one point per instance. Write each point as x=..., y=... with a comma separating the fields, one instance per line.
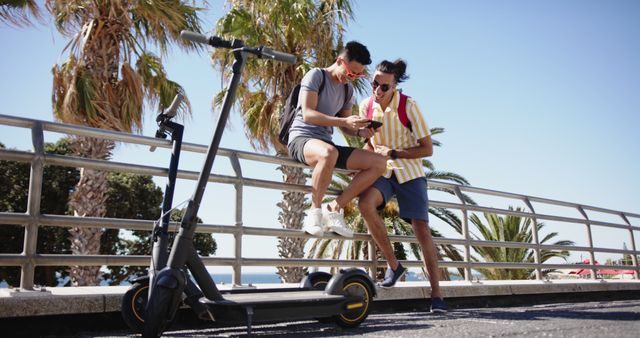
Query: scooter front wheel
x=134, y=303
x=160, y=311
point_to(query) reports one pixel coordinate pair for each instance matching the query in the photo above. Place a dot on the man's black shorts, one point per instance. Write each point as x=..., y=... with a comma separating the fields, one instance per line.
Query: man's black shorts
x=296, y=151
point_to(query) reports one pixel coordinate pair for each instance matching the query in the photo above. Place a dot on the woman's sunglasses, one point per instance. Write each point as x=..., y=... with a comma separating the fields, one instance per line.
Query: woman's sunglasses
x=384, y=87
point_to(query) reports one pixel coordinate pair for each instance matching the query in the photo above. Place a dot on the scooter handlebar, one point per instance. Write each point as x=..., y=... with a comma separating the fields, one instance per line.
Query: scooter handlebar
x=278, y=56
x=194, y=37
x=213, y=41
x=173, y=108
x=165, y=116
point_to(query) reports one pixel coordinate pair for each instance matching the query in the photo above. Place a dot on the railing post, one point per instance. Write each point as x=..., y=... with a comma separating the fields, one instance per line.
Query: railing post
x=237, y=265
x=33, y=208
x=465, y=233
x=634, y=258
x=534, y=233
x=590, y=236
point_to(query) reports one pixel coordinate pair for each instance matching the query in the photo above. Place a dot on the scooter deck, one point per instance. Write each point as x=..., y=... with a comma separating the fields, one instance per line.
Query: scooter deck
x=279, y=305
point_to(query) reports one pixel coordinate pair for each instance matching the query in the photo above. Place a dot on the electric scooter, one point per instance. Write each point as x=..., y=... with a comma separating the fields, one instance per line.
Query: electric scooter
x=346, y=298
x=135, y=298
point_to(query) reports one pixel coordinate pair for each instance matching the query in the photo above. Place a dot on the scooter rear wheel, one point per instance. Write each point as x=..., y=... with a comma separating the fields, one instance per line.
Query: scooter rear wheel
x=134, y=303
x=319, y=280
x=356, y=312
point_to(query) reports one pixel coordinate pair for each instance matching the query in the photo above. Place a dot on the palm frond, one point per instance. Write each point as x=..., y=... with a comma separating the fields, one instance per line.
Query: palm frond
x=436, y=131
x=448, y=217
x=511, y=229
x=446, y=175
x=69, y=16
x=130, y=91
x=20, y=13
x=427, y=164
x=162, y=21
x=159, y=90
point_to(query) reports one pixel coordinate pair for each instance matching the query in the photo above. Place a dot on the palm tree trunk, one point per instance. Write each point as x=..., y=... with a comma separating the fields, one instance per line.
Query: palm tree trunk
x=291, y=216
x=88, y=200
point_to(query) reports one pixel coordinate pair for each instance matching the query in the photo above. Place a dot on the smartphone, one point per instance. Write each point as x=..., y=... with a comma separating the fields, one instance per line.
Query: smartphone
x=374, y=124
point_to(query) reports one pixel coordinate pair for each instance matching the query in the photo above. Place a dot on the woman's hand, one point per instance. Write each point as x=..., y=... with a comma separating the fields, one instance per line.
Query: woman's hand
x=383, y=150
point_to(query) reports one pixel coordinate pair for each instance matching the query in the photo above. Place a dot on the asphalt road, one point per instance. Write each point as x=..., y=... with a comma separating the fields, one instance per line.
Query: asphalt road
x=591, y=319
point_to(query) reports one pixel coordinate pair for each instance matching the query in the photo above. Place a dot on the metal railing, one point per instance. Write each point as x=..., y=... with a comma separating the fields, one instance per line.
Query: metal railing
x=33, y=219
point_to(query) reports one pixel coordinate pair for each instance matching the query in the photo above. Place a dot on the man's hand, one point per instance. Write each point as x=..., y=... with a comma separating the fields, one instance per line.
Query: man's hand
x=383, y=150
x=354, y=122
x=366, y=132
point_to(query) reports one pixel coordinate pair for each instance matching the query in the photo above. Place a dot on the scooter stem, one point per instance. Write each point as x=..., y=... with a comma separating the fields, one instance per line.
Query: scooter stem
x=178, y=257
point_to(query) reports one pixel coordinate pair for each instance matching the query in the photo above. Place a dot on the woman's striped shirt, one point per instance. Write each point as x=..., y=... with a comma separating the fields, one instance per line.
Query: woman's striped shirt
x=396, y=136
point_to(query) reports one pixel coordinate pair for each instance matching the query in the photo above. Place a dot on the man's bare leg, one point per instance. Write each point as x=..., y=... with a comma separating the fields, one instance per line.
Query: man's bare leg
x=368, y=203
x=322, y=157
x=429, y=253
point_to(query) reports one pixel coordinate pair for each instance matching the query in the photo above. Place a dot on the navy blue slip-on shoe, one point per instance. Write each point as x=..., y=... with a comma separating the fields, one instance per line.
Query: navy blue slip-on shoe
x=438, y=305
x=392, y=276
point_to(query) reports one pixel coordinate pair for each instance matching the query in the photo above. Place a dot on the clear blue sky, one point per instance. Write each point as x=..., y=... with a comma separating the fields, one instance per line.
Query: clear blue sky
x=538, y=98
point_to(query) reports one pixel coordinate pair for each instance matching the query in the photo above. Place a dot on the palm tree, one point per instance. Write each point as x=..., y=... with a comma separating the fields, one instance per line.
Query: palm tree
x=104, y=83
x=391, y=216
x=19, y=13
x=511, y=229
x=313, y=31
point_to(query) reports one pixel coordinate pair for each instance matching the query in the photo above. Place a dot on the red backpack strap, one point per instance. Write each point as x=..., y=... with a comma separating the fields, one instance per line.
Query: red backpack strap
x=402, y=112
x=370, y=108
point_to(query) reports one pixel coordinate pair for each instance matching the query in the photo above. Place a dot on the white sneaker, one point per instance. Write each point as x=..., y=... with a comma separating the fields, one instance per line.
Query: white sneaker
x=313, y=222
x=334, y=221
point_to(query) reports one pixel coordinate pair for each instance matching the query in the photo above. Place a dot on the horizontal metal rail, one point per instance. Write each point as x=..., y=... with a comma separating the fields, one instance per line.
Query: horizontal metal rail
x=28, y=259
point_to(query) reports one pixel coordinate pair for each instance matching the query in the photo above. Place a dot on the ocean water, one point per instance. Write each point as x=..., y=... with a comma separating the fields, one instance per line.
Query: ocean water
x=248, y=278
x=273, y=278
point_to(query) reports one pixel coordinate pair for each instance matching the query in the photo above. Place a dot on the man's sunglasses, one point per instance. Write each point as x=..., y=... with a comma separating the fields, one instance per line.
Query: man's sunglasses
x=349, y=72
x=384, y=87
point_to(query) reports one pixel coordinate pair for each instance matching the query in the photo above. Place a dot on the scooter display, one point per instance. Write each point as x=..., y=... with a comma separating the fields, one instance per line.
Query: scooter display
x=346, y=298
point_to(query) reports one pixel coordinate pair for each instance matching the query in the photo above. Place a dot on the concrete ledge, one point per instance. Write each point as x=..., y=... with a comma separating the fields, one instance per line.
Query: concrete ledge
x=56, y=301
x=459, y=289
x=86, y=300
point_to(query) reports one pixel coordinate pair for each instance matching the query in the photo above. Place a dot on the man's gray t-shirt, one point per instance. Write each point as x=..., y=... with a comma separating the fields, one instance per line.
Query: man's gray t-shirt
x=330, y=102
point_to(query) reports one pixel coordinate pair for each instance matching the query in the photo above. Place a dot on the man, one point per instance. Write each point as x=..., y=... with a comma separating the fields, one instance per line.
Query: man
x=404, y=141
x=310, y=138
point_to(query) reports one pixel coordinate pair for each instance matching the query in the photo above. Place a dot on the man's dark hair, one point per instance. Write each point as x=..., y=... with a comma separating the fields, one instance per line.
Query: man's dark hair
x=398, y=68
x=355, y=51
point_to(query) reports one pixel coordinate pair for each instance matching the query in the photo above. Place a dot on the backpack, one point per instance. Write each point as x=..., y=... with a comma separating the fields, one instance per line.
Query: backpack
x=402, y=111
x=289, y=110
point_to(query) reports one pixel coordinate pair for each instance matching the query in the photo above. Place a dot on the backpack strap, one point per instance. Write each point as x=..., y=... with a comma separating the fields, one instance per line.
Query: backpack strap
x=321, y=82
x=346, y=93
x=370, y=108
x=402, y=111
